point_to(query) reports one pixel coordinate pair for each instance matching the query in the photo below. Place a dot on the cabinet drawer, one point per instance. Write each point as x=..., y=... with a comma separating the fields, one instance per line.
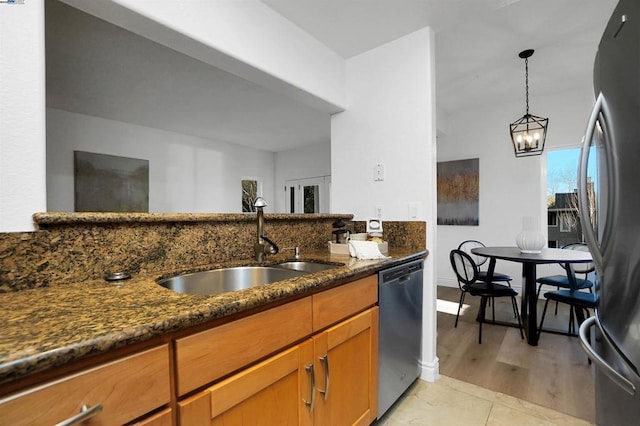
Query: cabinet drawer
x=204, y=357
x=127, y=388
x=336, y=304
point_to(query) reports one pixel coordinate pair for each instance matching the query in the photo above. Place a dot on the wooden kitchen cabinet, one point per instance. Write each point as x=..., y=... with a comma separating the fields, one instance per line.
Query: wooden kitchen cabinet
x=212, y=354
x=281, y=391
x=126, y=388
x=277, y=391
x=163, y=418
x=334, y=305
x=346, y=359
x=288, y=388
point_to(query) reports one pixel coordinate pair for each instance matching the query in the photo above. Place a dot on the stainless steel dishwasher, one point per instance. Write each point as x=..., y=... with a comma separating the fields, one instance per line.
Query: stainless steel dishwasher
x=400, y=331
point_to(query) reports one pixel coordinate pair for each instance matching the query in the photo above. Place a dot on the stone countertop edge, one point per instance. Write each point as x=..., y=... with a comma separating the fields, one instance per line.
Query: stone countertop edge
x=49, y=327
x=61, y=218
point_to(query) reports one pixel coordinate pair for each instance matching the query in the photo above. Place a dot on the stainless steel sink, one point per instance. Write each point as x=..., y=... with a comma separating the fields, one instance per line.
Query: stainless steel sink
x=218, y=281
x=306, y=266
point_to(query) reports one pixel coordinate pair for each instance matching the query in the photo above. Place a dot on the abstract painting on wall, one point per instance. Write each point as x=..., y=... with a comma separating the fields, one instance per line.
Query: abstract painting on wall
x=109, y=183
x=458, y=192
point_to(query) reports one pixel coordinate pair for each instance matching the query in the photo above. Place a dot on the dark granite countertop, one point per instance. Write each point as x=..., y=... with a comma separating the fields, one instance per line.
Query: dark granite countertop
x=49, y=327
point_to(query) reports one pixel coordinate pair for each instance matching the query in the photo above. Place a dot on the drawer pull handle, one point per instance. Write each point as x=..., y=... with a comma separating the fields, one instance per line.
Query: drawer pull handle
x=325, y=360
x=85, y=414
x=312, y=403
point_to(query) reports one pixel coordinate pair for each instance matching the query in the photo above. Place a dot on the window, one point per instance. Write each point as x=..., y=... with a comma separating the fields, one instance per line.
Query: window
x=562, y=206
x=250, y=191
x=309, y=195
x=565, y=224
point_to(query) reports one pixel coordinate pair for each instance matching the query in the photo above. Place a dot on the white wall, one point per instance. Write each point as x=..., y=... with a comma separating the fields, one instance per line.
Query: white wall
x=304, y=162
x=22, y=115
x=510, y=187
x=390, y=119
x=186, y=173
x=246, y=38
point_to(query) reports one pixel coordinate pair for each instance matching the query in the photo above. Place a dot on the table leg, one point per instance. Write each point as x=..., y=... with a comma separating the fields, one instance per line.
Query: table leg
x=492, y=268
x=529, y=311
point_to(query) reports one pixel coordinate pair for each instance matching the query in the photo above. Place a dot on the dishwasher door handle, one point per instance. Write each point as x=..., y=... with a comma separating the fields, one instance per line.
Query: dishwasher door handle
x=403, y=279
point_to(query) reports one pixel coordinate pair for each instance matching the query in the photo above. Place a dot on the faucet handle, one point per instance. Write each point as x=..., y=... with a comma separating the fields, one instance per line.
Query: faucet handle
x=272, y=247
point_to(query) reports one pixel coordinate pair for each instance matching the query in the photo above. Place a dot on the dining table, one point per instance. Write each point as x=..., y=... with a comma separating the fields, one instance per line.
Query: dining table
x=528, y=310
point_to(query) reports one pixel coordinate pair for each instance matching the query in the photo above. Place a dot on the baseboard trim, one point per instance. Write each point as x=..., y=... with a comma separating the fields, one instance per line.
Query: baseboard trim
x=430, y=372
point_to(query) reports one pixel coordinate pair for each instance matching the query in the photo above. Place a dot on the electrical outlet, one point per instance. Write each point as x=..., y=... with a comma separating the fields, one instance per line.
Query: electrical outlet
x=414, y=210
x=379, y=211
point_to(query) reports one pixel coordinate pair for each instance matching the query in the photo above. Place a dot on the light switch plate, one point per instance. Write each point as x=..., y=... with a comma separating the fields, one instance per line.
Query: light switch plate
x=378, y=172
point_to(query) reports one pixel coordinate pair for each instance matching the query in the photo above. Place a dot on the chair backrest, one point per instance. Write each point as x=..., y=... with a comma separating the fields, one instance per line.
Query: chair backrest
x=464, y=266
x=579, y=268
x=466, y=247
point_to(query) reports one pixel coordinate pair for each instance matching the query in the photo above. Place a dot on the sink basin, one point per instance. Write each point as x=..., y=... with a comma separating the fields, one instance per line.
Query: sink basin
x=223, y=280
x=306, y=266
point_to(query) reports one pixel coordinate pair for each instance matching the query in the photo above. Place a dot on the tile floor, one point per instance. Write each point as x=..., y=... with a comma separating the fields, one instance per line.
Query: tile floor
x=453, y=402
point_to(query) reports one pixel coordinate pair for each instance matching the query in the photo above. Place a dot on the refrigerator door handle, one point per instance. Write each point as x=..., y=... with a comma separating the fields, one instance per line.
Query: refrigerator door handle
x=607, y=369
x=583, y=201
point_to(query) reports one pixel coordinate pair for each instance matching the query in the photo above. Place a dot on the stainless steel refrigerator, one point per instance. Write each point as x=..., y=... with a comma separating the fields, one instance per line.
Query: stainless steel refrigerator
x=609, y=199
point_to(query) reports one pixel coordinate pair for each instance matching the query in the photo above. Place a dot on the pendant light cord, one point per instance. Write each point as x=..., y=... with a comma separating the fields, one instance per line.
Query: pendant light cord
x=526, y=79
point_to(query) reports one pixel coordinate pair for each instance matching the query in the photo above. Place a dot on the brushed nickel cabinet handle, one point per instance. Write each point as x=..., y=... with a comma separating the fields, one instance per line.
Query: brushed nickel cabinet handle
x=325, y=361
x=85, y=414
x=309, y=369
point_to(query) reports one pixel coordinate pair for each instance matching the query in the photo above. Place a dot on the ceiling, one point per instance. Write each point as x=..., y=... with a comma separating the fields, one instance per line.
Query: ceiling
x=98, y=69
x=477, y=41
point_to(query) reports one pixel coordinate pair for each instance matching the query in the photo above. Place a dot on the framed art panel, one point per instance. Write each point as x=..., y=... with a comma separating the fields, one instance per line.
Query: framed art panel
x=109, y=183
x=458, y=192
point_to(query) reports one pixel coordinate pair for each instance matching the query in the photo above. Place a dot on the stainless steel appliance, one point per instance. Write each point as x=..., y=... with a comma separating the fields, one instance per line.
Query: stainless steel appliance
x=400, y=331
x=609, y=208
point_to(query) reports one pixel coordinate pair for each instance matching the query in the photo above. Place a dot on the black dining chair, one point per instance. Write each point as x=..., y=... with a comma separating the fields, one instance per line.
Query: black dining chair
x=562, y=281
x=466, y=272
x=573, y=296
x=466, y=247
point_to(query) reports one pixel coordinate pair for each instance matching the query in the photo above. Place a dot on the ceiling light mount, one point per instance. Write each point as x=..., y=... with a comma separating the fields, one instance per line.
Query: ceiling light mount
x=528, y=133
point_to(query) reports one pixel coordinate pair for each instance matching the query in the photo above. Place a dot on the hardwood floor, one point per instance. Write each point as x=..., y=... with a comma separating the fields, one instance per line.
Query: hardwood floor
x=554, y=374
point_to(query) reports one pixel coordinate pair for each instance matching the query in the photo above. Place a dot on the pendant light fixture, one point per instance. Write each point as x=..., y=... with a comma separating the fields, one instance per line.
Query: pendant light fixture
x=529, y=132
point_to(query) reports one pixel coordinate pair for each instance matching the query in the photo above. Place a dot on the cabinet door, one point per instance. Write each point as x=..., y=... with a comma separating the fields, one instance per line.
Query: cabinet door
x=346, y=359
x=126, y=388
x=163, y=418
x=277, y=391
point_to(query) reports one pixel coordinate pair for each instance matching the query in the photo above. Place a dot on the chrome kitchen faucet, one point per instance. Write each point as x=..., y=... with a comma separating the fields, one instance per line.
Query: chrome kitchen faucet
x=263, y=245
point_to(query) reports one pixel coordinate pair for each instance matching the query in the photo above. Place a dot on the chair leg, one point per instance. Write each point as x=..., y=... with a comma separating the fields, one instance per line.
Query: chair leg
x=493, y=311
x=483, y=308
x=556, y=312
x=517, y=314
x=459, y=306
x=544, y=311
x=572, y=326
